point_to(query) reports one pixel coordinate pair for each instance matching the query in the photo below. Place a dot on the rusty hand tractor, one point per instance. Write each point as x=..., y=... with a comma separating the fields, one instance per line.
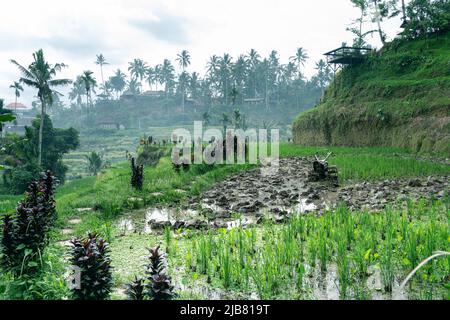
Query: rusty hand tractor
x=322, y=171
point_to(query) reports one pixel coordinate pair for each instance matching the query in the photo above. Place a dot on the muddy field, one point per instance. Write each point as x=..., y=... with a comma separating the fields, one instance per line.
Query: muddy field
x=250, y=196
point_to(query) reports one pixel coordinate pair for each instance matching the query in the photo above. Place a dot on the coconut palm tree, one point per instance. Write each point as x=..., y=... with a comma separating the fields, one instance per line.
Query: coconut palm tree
x=158, y=77
x=101, y=61
x=89, y=83
x=184, y=60
x=77, y=91
x=213, y=73
x=151, y=77
x=118, y=82
x=239, y=74
x=300, y=58
x=253, y=61
x=138, y=70
x=167, y=76
x=206, y=118
x=225, y=71
x=17, y=90
x=40, y=75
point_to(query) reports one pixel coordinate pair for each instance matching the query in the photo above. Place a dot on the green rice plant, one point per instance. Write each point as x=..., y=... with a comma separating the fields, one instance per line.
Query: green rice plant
x=225, y=267
x=322, y=250
x=386, y=259
x=300, y=276
x=204, y=255
x=411, y=243
x=312, y=252
x=168, y=239
x=343, y=266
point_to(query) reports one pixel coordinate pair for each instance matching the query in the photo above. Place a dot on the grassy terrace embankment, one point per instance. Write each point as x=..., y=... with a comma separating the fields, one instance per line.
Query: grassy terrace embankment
x=399, y=97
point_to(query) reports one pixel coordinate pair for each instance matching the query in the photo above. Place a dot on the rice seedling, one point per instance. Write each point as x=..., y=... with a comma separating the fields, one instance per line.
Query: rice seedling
x=343, y=265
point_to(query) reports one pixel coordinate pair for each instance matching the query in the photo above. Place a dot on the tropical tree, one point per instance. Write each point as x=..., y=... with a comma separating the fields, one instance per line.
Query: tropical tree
x=363, y=6
x=194, y=85
x=253, y=61
x=233, y=95
x=101, y=61
x=151, y=77
x=184, y=60
x=17, y=90
x=40, y=75
x=225, y=122
x=299, y=59
x=212, y=74
x=89, y=83
x=167, y=76
x=206, y=118
x=95, y=162
x=138, y=70
x=239, y=74
x=5, y=116
x=323, y=75
x=225, y=65
x=237, y=118
x=118, y=82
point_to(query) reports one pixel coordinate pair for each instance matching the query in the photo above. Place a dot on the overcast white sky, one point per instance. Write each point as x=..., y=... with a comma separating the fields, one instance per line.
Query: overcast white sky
x=74, y=31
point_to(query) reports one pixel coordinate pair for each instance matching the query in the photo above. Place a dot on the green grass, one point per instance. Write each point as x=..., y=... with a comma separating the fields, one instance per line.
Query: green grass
x=370, y=163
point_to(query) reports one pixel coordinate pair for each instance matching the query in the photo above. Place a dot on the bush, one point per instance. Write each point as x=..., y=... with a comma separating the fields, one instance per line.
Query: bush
x=25, y=234
x=16, y=180
x=159, y=285
x=150, y=155
x=91, y=258
x=137, y=175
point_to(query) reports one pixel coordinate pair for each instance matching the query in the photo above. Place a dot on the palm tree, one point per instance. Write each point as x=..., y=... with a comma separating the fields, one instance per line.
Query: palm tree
x=95, y=162
x=378, y=17
x=212, y=72
x=233, y=95
x=225, y=122
x=77, y=91
x=300, y=58
x=225, y=70
x=118, y=82
x=239, y=74
x=167, y=76
x=253, y=61
x=237, y=117
x=40, y=75
x=101, y=61
x=89, y=83
x=138, y=70
x=184, y=60
x=17, y=90
x=206, y=118
x=158, y=77
x=151, y=77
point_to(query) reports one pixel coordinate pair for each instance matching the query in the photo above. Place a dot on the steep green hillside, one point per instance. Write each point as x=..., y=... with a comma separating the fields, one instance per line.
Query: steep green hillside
x=400, y=97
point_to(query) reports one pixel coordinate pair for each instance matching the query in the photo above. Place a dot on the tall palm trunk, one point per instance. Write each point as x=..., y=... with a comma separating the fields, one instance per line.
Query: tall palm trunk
x=378, y=19
x=41, y=130
x=103, y=81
